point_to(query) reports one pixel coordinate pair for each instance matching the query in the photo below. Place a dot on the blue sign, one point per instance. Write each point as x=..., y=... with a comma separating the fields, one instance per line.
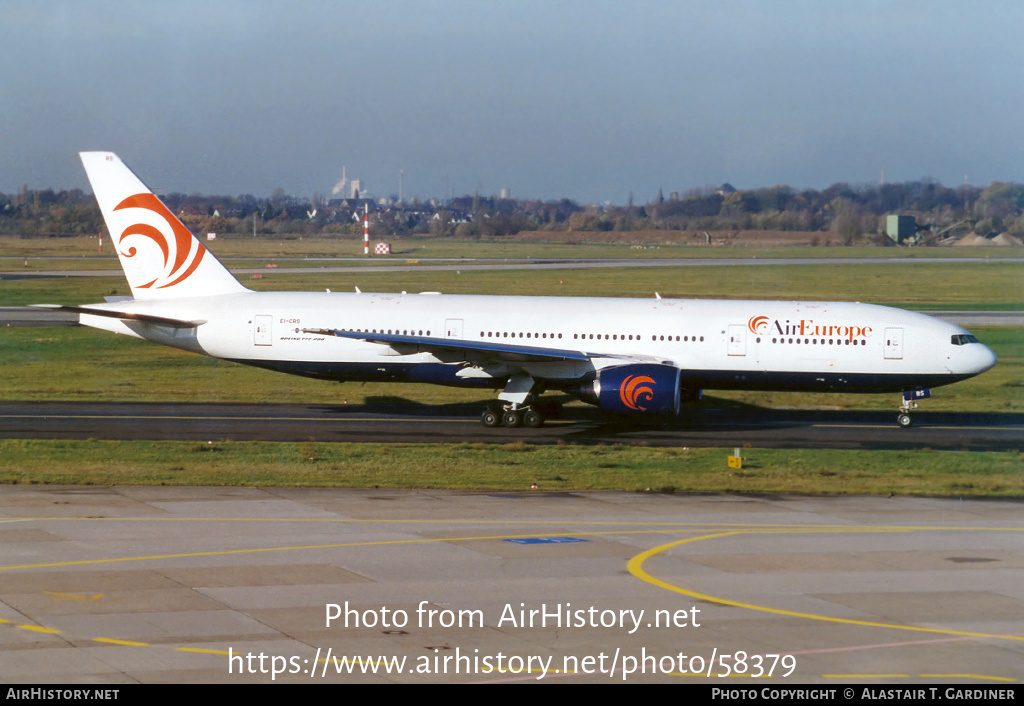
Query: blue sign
x=546, y=540
x=917, y=394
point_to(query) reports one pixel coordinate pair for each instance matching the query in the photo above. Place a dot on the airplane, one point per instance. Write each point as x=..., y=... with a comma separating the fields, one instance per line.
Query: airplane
x=624, y=355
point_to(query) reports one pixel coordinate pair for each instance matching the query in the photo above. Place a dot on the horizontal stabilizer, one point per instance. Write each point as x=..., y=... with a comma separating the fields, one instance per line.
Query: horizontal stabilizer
x=124, y=315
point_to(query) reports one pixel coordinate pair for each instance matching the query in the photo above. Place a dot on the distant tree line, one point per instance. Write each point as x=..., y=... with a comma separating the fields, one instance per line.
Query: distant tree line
x=850, y=212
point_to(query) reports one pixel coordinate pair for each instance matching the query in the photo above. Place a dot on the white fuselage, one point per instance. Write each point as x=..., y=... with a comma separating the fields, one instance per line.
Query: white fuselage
x=716, y=344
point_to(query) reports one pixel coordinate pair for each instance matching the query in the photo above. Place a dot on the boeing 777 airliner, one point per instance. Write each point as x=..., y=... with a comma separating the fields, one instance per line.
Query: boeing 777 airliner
x=640, y=356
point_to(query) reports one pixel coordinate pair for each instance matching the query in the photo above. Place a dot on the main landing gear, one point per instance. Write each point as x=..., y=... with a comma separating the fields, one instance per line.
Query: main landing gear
x=518, y=408
x=512, y=417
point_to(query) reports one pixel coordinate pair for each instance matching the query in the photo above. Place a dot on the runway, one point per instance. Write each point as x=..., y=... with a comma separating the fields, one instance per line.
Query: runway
x=230, y=585
x=710, y=425
x=397, y=264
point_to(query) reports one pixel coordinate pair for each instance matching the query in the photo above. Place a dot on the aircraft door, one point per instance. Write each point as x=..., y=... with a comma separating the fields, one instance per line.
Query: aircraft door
x=453, y=328
x=261, y=330
x=894, y=343
x=737, y=339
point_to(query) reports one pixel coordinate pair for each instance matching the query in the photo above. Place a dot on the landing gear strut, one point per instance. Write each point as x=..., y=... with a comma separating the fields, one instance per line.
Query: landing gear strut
x=903, y=418
x=518, y=410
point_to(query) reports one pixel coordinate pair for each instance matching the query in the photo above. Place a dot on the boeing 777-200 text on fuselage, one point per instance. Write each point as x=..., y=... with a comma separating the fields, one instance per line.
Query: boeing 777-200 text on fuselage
x=639, y=356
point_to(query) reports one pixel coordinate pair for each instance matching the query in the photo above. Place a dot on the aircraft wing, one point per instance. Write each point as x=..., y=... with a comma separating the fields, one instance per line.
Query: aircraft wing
x=125, y=315
x=510, y=352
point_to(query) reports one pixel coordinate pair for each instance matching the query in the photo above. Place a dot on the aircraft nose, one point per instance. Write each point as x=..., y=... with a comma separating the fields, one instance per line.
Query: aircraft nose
x=981, y=358
x=976, y=359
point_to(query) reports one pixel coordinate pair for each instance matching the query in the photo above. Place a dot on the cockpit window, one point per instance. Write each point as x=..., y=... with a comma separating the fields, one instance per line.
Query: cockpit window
x=962, y=339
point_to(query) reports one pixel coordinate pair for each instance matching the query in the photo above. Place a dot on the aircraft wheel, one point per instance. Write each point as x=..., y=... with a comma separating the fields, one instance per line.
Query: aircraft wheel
x=511, y=418
x=532, y=419
x=904, y=420
x=490, y=418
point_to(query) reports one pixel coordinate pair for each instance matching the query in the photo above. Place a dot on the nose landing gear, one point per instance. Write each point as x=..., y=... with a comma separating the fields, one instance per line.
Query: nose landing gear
x=903, y=418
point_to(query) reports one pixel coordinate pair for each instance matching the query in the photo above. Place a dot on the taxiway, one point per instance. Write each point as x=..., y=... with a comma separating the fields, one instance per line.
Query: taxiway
x=187, y=585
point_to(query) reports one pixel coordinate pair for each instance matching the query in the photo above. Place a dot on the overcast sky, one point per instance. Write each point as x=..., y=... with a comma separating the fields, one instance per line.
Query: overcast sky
x=588, y=100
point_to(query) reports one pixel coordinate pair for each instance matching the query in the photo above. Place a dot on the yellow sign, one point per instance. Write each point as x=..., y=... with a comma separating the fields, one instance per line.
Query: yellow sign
x=735, y=462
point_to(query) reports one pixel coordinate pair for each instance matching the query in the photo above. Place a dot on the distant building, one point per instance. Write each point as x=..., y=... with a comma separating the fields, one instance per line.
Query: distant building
x=900, y=228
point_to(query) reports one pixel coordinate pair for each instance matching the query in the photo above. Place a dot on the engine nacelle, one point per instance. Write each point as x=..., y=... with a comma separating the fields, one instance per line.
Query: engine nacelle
x=637, y=389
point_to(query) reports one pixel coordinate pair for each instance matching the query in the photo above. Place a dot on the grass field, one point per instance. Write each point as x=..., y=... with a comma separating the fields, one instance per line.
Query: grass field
x=650, y=244
x=978, y=285
x=512, y=467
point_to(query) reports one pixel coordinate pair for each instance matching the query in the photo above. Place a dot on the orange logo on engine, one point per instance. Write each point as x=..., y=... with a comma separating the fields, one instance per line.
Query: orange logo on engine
x=758, y=324
x=635, y=388
x=180, y=259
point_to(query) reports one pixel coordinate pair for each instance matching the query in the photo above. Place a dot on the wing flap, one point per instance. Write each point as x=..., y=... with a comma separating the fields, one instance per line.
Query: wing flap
x=499, y=351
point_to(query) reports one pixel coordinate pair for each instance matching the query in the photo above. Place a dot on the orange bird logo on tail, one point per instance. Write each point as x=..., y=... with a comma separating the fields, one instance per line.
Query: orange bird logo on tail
x=180, y=259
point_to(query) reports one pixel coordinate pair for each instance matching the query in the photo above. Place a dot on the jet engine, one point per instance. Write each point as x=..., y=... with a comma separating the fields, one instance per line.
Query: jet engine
x=636, y=389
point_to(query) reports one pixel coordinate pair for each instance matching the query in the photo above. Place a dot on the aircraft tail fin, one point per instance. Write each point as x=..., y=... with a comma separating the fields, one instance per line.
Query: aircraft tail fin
x=160, y=257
